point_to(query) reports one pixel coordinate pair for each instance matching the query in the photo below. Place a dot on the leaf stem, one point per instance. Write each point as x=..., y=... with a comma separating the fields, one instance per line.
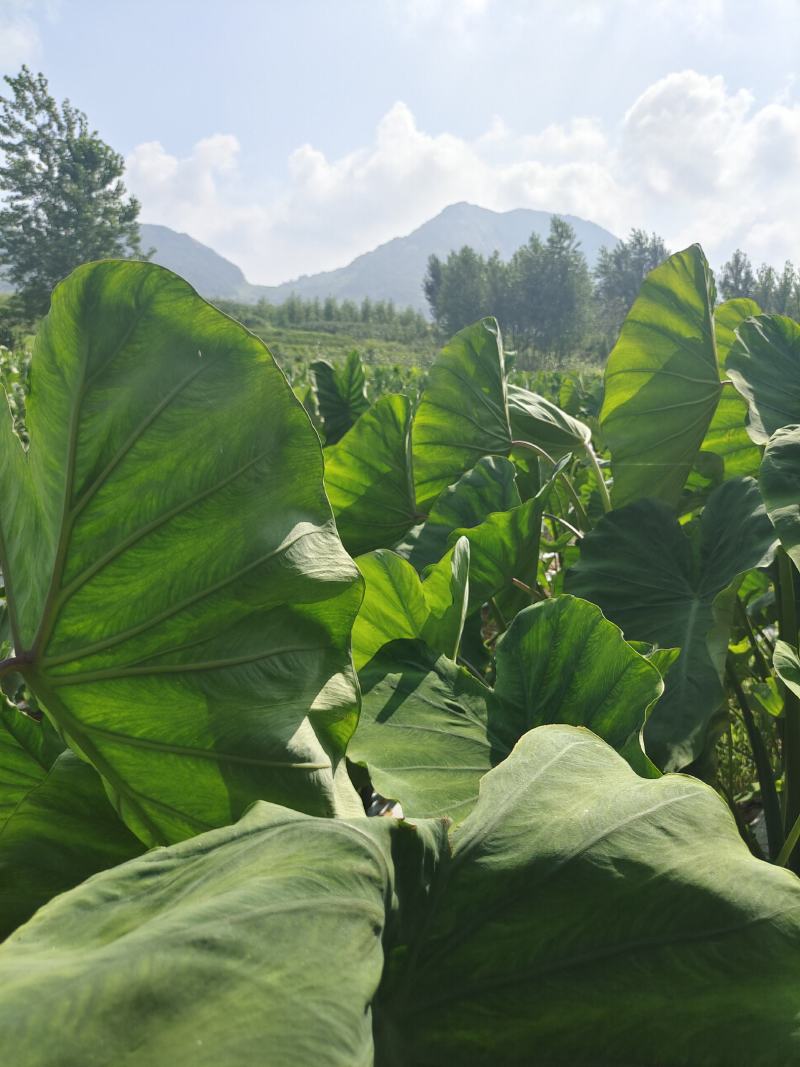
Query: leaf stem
x=791, y=703
x=564, y=522
x=498, y=614
x=744, y=618
x=598, y=474
x=580, y=511
x=13, y=663
x=789, y=844
x=766, y=778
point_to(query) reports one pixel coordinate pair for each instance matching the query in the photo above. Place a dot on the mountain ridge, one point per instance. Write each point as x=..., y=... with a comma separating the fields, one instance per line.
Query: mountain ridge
x=392, y=271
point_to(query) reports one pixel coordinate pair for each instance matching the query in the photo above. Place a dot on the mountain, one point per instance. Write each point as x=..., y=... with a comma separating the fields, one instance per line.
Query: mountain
x=394, y=271
x=209, y=272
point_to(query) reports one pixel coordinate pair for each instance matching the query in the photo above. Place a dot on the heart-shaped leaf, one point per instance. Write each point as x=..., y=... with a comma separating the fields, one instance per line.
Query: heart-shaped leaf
x=659, y=585
x=184, y=616
x=727, y=435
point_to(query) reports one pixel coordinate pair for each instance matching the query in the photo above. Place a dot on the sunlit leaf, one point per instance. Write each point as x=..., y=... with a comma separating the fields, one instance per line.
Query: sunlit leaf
x=184, y=616
x=462, y=414
x=368, y=477
x=662, y=383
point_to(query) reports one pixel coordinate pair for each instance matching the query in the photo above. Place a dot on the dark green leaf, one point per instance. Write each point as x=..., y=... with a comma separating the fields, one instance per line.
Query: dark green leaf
x=779, y=480
x=787, y=665
x=62, y=831
x=660, y=586
x=397, y=604
x=341, y=395
x=257, y=943
x=503, y=547
x=586, y=916
x=536, y=419
x=347, y=943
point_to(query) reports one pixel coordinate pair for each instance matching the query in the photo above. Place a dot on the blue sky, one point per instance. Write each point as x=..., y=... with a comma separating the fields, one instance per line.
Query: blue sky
x=294, y=135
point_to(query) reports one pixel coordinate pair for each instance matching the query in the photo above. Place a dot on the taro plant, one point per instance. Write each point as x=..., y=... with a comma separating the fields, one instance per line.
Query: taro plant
x=543, y=615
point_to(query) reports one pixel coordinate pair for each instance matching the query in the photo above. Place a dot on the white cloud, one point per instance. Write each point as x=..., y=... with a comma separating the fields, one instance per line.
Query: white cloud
x=457, y=16
x=19, y=35
x=707, y=164
x=692, y=159
x=196, y=194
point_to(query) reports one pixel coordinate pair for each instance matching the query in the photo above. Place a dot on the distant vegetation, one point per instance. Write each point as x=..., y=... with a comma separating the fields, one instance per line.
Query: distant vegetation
x=63, y=200
x=545, y=297
x=777, y=293
x=378, y=320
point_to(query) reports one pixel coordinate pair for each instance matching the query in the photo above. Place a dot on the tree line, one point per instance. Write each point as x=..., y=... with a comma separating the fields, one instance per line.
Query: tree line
x=549, y=301
x=775, y=292
x=64, y=203
x=330, y=313
x=545, y=296
x=379, y=320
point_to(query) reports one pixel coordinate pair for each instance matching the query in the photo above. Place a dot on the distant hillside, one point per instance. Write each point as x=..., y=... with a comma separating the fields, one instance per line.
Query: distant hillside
x=394, y=270
x=209, y=272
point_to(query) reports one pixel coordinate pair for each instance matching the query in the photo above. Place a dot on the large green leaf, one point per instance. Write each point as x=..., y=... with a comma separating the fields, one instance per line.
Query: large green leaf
x=727, y=435
x=779, y=480
x=292, y=940
x=61, y=831
x=764, y=365
x=536, y=419
x=462, y=414
x=429, y=729
x=587, y=916
x=257, y=943
x=368, y=478
x=341, y=394
x=489, y=487
x=503, y=547
x=179, y=598
x=662, y=383
x=398, y=604
x=662, y=586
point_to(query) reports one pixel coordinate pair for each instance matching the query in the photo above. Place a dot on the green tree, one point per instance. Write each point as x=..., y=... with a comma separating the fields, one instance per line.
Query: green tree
x=764, y=288
x=464, y=293
x=64, y=200
x=524, y=279
x=737, y=278
x=432, y=285
x=787, y=291
x=619, y=274
x=562, y=312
